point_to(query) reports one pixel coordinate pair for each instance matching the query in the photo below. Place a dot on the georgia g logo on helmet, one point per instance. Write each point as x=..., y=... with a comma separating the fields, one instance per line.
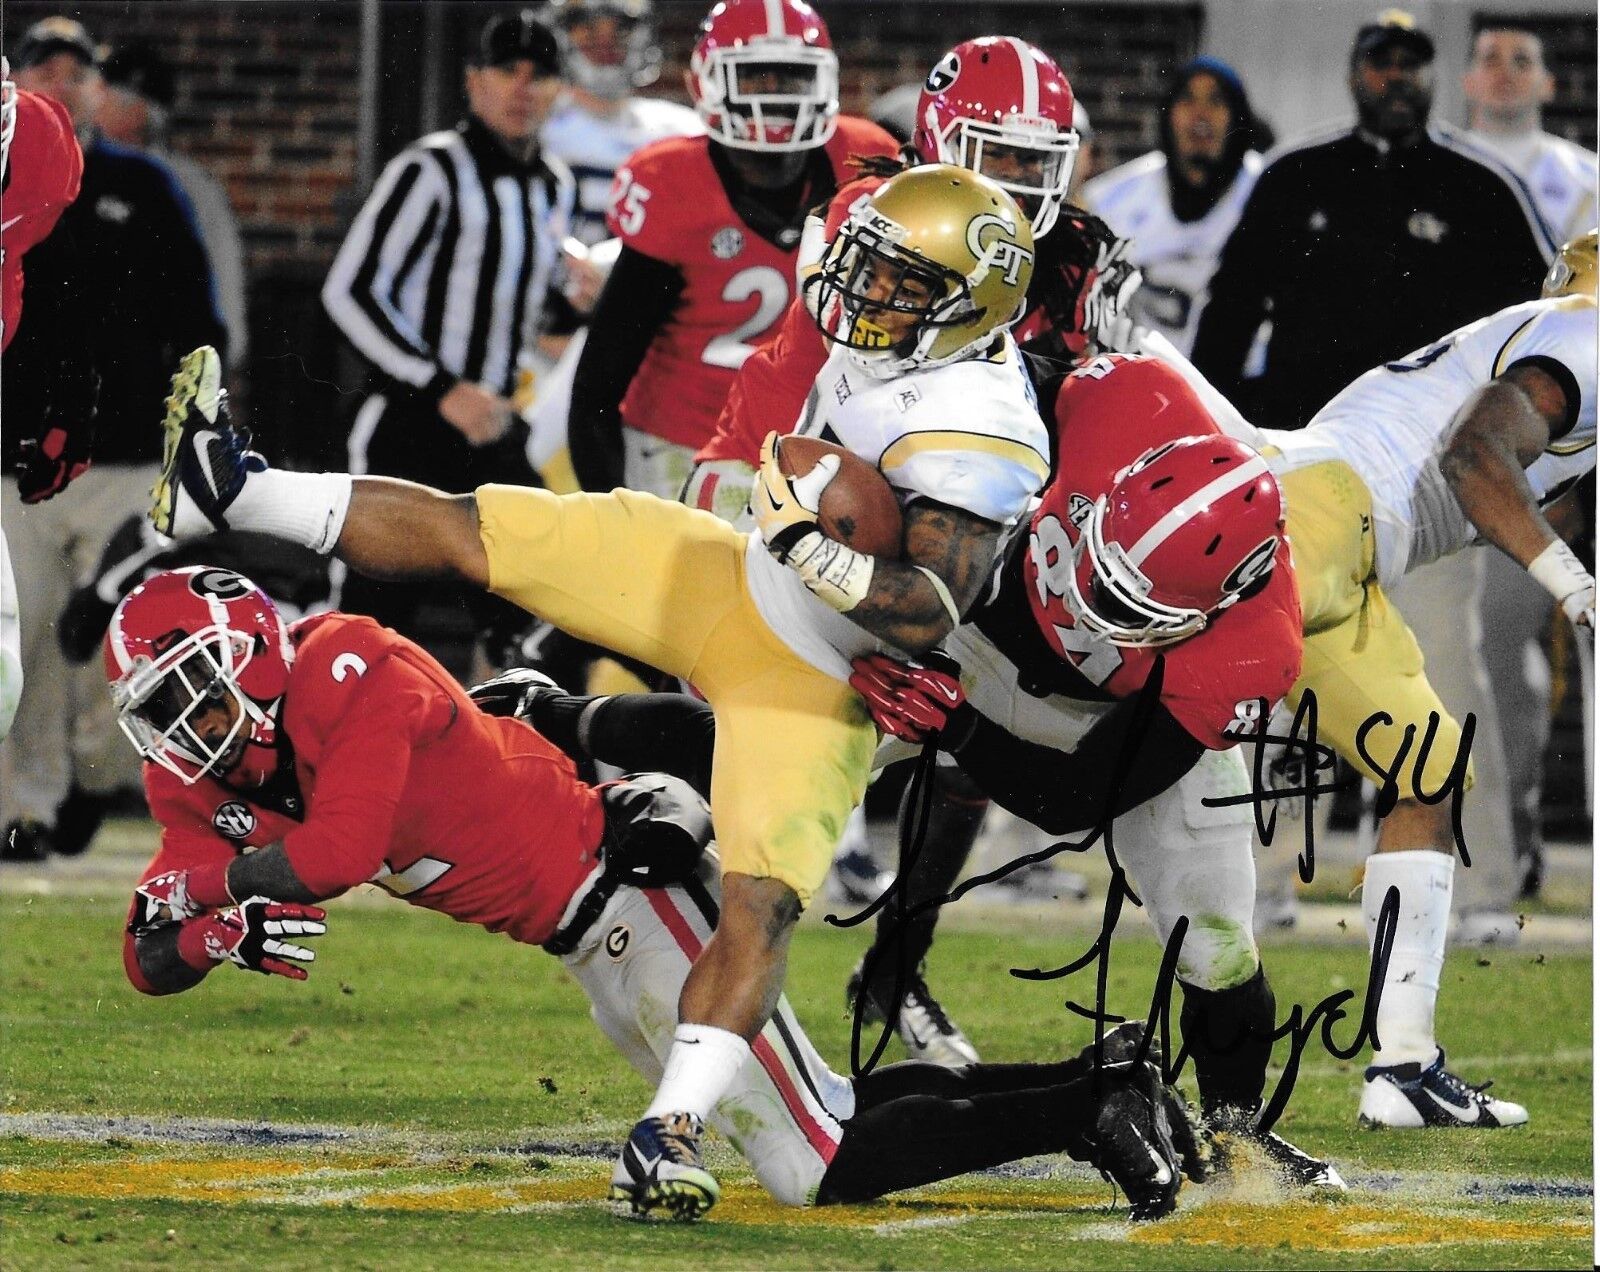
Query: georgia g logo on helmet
x=1001, y=252
x=945, y=73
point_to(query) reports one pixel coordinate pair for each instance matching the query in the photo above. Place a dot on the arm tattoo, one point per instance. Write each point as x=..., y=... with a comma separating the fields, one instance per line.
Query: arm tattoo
x=267, y=873
x=903, y=607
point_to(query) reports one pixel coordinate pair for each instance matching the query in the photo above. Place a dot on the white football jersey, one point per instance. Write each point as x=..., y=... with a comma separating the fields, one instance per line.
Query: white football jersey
x=1388, y=424
x=968, y=435
x=595, y=146
x=1177, y=257
x=1561, y=177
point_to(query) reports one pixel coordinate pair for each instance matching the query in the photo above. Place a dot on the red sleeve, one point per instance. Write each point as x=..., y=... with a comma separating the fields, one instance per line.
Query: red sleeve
x=769, y=391
x=367, y=726
x=654, y=193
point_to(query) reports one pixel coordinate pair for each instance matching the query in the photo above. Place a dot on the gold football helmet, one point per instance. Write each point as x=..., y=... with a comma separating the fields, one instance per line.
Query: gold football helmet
x=928, y=271
x=1573, y=273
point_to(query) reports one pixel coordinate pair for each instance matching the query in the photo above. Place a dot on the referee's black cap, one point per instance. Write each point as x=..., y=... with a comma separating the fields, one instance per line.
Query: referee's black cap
x=518, y=37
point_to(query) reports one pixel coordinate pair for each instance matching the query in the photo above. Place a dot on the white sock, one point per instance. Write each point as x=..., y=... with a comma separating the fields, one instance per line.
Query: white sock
x=1425, y=879
x=305, y=508
x=700, y=1068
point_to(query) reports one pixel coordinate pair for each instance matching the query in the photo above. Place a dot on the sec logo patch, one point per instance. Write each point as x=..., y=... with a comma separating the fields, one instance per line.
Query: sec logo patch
x=617, y=941
x=727, y=243
x=233, y=820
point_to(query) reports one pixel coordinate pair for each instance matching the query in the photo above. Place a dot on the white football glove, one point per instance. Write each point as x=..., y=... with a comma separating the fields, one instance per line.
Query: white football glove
x=1106, y=317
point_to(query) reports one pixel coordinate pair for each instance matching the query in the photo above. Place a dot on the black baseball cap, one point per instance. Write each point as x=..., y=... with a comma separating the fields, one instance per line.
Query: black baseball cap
x=141, y=70
x=518, y=37
x=49, y=36
x=1393, y=27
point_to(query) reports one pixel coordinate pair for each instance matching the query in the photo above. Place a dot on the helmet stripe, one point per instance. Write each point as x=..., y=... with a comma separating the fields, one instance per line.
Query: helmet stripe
x=1195, y=504
x=774, y=17
x=1030, y=76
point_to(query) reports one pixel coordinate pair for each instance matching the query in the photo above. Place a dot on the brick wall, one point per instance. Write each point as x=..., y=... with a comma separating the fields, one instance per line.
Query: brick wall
x=266, y=99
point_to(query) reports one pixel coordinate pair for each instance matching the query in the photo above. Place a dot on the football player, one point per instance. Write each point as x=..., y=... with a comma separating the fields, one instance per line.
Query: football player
x=1158, y=545
x=919, y=289
x=1471, y=435
x=710, y=227
x=999, y=106
x=41, y=166
x=288, y=764
x=608, y=51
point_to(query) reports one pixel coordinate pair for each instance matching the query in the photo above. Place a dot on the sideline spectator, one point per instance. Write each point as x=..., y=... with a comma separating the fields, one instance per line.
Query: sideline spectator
x=1179, y=203
x=1365, y=243
x=135, y=113
x=124, y=282
x=448, y=274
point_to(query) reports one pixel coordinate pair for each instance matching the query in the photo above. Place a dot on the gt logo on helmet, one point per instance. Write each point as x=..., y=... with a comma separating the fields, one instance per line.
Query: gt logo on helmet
x=1001, y=252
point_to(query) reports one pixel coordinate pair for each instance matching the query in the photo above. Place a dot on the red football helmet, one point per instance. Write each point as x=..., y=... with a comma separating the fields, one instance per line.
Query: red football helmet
x=184, y=642
x=1003, y=108
x=1186, y=530
x=764, y=76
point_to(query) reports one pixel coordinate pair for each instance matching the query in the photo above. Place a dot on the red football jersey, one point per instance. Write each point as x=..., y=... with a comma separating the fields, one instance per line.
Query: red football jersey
x=1214, y=681
x=404, y=783
x=769, y=392
x=43, y=173
x=668, y=203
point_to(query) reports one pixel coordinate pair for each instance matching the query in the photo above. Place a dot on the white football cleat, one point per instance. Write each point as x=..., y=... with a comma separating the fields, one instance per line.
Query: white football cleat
x=1411, y=1097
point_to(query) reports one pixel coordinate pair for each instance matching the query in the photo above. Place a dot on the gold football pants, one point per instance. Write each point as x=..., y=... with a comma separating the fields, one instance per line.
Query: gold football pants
x=1361, y=659
x=665, y=584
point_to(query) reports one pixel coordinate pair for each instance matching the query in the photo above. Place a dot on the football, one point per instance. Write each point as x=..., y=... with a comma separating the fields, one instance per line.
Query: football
x=857, y=506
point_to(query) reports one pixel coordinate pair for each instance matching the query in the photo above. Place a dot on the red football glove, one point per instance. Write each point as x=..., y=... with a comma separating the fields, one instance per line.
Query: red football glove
x=48, y=466
x=250, y=936
x=911, y=700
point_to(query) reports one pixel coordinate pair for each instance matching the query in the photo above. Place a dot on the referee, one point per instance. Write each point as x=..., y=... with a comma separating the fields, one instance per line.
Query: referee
x=449, y=272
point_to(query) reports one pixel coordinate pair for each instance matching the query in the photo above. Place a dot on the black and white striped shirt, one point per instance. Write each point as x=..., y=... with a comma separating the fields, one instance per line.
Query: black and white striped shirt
x=446, y=273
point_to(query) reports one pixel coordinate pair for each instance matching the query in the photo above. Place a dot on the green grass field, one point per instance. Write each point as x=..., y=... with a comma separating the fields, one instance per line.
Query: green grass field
x=468, y=1111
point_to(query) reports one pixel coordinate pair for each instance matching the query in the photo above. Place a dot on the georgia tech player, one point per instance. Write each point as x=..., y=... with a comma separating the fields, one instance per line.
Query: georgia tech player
x=999, y=106
x=1473, y=433
x=923, y=283
x=288, y=764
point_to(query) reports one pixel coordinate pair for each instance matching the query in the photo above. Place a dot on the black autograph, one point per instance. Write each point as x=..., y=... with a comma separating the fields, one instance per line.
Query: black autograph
x=1300, y=1025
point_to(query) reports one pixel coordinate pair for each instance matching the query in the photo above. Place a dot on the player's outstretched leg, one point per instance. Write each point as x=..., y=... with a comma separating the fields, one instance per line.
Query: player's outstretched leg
x=205, y=456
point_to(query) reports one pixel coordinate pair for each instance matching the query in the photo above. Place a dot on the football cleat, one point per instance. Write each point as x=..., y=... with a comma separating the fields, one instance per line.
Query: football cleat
x=515, y=693
x=27, y=841
x=660, y=1169
x=1296, y=1167
x=1409, y=1096
x=1190, y=1135
x=205, y=456
x=927, y=1032
x=856, y=878
x=1131, y=1140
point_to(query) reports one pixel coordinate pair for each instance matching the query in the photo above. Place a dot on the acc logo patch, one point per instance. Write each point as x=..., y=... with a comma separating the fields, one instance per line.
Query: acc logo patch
x=224, y=585
x=944, y=74
x=727, y=243
x=906, y=398
x=1427, y=227
x=617, y=941
x=233, y=820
